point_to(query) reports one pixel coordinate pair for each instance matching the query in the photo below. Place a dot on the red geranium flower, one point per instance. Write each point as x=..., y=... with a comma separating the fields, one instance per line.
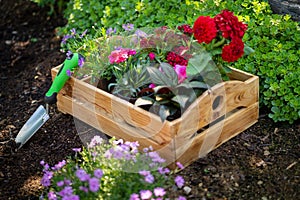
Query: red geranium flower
x=185, y=28
x=233, y=51
x=205, y=29
x=229, y=25
x=174, y=59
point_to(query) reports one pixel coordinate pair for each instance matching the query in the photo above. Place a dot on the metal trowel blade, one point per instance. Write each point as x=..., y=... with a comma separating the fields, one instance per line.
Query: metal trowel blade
x=37, y=119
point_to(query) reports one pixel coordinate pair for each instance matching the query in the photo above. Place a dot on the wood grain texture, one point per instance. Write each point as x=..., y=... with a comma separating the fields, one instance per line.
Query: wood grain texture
x=216, y=116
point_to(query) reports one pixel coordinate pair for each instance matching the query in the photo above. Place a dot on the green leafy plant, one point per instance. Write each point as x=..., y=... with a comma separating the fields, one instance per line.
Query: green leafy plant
x=111, y=170
x=169, y=61
x=52, y=4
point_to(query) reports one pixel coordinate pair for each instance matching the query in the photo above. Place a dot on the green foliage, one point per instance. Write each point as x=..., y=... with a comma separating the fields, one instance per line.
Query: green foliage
x=274, y=38
x=52, y=4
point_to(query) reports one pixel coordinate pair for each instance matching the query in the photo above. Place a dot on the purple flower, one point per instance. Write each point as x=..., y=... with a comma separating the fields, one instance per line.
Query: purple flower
x=76, y=149
x=134, y=196
x=140, y=33
x=59, y=165
x=84, y=189
x=65, y=38
x=73, y=31
x=162, y=170
x=67, y=191
x=69, y=73
x=67, y=182
x=128, y=27
x=179, y=181
x=144, y=172
x=145, y=194
x=98, y=173
x=83, y=33
x=52, y=196
x=69, y=54
x=60, y=183
x=95, y=141
x=181, y=198
x=46, y=179
x=82, y=175
x=179, y=165
x=156, y=158
x=159, y=192
x=94, y=184
x=71, y=197
x=81, y=61
x=110, y=31
x=149, y=178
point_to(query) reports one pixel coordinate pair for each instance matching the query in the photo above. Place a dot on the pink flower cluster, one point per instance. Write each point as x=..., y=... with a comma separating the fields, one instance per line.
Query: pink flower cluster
x=120, y=55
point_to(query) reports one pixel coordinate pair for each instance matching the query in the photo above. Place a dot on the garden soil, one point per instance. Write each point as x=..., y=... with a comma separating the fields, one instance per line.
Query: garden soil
x=260, y=163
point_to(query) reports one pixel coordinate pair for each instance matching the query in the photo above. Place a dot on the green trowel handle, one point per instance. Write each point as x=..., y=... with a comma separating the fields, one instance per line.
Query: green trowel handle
x=61, y=78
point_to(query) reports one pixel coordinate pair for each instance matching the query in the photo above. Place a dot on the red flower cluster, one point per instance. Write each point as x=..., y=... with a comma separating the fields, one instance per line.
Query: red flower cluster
x=174, y=59
x=205, y=29
x=185, y=28
x=233, y=51
x=229, y=25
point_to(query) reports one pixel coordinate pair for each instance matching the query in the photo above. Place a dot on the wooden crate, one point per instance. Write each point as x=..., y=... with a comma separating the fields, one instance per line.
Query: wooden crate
x=215, y=117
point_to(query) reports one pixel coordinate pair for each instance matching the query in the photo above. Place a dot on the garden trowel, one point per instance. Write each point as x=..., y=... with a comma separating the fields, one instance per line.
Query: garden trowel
x=40, y=116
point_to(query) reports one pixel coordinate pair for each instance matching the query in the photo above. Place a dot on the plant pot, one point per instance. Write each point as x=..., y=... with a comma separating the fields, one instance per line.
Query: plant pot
x=216, y=116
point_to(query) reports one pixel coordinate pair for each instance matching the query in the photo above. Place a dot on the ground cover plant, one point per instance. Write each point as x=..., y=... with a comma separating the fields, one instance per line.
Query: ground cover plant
x=260, y=163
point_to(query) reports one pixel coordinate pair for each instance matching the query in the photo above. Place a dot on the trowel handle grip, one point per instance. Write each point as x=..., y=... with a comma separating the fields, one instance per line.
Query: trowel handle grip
x=61, y=78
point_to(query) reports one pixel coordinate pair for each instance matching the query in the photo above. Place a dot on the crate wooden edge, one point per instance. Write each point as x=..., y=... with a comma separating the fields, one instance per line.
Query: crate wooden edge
x=169, y=147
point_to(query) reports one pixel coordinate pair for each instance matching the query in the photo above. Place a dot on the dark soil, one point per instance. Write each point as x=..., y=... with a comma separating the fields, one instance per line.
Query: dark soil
x=260, y=163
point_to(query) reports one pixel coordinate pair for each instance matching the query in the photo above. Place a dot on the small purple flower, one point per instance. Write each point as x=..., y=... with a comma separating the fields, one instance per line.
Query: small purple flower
x=82, y=175
x=73, y=31
x=159, y=192
x=46, y=179
x=67, y=182
x=67, y=191
x=111, y=31
x=144, y=172
x=179, y=181
x=179, y=165
x=69, y=73
x=95, y=141
x=98, y=173
x=69, y=54
x=149, y=178
x=181, y=198
x=59, y=165
x=65, y=38
x=60, y=183
x=128, y=27
x=145, y=194
x=83, y=33
x=81, y=61
x=84, y=189
x=140, y=33
x=156, y=158
x=76, y=149
x=52, y=196
x=71, y=197
x=162, y=170
x=134, y=196
x=94, y=184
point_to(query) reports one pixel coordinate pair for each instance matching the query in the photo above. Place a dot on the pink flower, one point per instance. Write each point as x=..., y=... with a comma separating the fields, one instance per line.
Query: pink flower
x=181, y=72
x=151, y=56
x=145, y=194
x=118, y=56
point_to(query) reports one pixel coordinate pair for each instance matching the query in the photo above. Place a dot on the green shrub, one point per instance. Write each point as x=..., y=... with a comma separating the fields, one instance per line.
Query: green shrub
x=275, y=38
x=52, y=4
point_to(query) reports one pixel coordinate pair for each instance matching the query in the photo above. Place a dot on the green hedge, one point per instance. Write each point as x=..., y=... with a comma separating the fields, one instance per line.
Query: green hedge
x=275, y=38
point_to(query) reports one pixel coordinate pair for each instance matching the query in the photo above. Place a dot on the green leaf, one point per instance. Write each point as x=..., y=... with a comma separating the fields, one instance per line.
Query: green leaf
x=198, y=63
x=143, y=101
x=248, y=50
x=164, y=112
x=160, y=78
